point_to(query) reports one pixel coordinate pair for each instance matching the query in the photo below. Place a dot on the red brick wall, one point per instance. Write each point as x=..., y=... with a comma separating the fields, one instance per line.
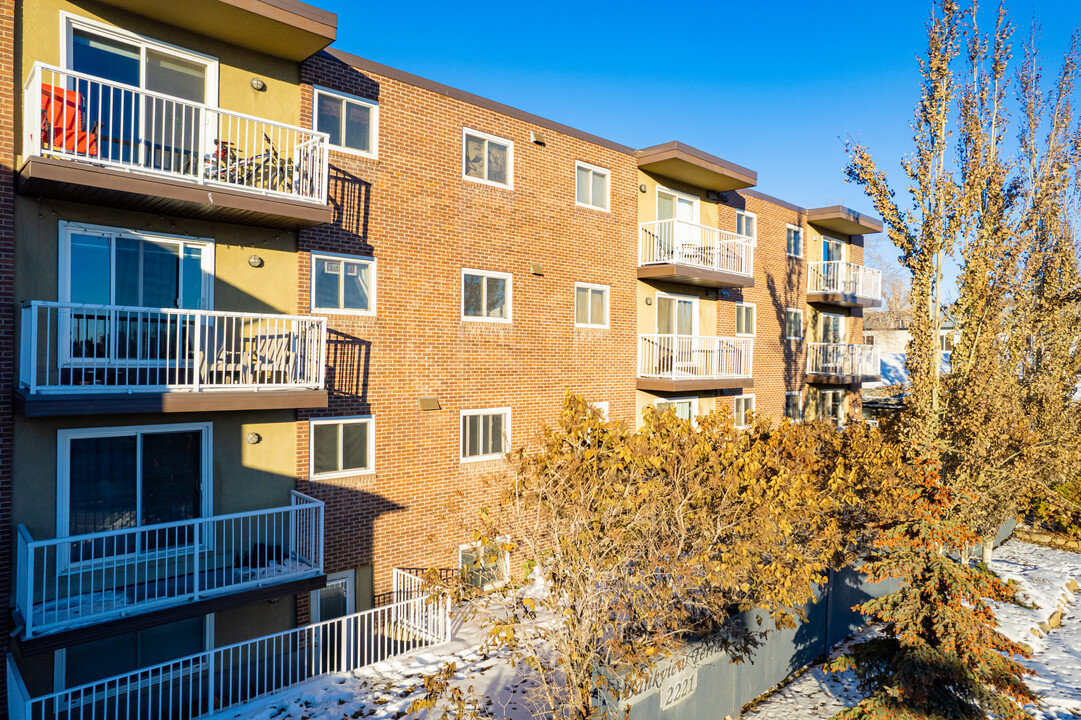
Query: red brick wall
x=8, y=84
x=423, y=223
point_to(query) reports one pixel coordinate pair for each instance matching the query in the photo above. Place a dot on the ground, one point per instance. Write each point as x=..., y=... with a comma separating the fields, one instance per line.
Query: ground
x=384, y=691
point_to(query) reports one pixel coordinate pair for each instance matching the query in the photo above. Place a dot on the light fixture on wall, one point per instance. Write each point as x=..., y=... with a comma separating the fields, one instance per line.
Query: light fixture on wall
x=258, y=85
x=642, y=187
x=255, y=261
x=253, y=438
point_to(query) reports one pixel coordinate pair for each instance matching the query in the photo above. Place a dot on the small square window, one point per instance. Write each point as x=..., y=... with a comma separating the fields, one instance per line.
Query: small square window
x=486, y=296
x=794, y=243
x=591, y=186
x=351, y=123
x=340, y=447
x=744, y=319
x=485, y=566
x=485, y=434
x=746, y=224
x=487, y=158
x=793, y=324
x=343, y=285
x=744, y=406
x=793, y=408
x=590, y=305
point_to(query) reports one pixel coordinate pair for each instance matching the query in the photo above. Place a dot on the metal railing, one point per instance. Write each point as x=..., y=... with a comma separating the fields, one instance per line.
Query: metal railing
x=225, y=677
x=693, y=356
x=80, y=580
x=686, y=243
x=841, y=359
x=76, y=116
x=844, y=278
x=71, y=347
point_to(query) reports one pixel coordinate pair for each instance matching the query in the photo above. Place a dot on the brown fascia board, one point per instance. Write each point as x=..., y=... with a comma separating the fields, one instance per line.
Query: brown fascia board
x=676, y=150
x=843, y=217
x=468, y=97
x=317, y=15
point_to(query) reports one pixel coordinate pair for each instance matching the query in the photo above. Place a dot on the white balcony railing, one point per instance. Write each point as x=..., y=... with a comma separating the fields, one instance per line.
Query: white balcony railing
x=685, y=243
x=686, y=357
x=225, y=677
x=80, y=580
x=70, y=347
x=841, y=359
x=80, y=117
x=844, y=278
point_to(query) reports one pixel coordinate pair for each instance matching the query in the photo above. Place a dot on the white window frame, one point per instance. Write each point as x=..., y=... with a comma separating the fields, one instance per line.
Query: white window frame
x=63, y=473
x=843, y=331
x=754, y=319
x=799, y=404
x=801, y=328
x=504, y=561
x=692, y=399
x=657, y=310
x=506, y=412
x=696, y=210
x=735, y=401
x=607, y=186
x=350, y=578
x=607, y=305
x=838, y=421
x=601, y=406
x=799, y=230
x=349, y=420
x=315, y=309
x=487, y=273
x=373, y=108
x=839, y=241
x=509, y=185
x=754, y=218
x=67, y=229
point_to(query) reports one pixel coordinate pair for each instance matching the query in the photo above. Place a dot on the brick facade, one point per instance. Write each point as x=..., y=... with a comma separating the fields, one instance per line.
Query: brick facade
x=8, y=85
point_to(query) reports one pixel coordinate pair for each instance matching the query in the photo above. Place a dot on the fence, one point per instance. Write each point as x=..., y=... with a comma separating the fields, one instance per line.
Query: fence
x=842, y=359
x=74, y=347
x=844, y=278
x=76, y=116
x=80, y=580
x=686, y=243
x=694, y=356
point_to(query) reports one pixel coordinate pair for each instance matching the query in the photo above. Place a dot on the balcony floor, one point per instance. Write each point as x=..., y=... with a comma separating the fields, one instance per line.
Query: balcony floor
x=692, y=384
x=47, y=404
x=97, y=185
x=842, y=300
x=825, y=379
x=694, y=275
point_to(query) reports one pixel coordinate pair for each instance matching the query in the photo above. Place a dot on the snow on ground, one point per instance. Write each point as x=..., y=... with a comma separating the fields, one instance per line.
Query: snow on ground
x=892, y=369
x=385, y=690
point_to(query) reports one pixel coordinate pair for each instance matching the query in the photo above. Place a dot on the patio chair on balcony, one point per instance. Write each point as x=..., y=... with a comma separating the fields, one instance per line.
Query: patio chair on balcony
x=62, y=125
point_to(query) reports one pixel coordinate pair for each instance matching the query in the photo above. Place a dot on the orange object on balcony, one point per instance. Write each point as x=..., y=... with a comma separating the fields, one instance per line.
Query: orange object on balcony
x=62, y=122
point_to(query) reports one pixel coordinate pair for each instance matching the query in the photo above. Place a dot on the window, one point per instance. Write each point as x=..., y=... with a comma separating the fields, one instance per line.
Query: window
x=351, y=123
x=590, y=305
x=833, y=250
x=833, y=406
x=486, y=296
x=338, y=598
x=677, y=314
x=946, y=341
x=126, y=477
x=793, y=324
x=485, y=565
x=340, y=447
x=833, y=328
x=487, y=158
x=746, y=224
x=342, y=284
x=602, y=408
x=794, y=244
x=744, y=319
x=793, y=409
x=591, y=186
x=868, y=339
x=485, y=434
x=686, y=408
x=744, y=406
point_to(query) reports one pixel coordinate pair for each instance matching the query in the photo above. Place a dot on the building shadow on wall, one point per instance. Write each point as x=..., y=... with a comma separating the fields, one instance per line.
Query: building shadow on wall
x=784, y=295
x=348, y=364
x=351, y=199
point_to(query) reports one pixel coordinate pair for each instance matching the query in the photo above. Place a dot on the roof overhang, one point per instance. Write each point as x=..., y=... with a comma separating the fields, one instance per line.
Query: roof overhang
x=843, y=220
x=286, y=29
x=694, y=167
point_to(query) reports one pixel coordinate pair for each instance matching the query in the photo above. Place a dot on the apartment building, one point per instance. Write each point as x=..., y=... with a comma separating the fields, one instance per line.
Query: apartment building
x=281, y=310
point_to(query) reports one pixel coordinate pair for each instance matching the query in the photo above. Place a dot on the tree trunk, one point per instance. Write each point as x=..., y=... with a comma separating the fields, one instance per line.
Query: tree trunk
x=988, y=546
x=966, y=555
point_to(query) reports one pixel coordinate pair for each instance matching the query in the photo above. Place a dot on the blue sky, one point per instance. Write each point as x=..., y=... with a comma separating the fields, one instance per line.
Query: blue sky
x=772, y=85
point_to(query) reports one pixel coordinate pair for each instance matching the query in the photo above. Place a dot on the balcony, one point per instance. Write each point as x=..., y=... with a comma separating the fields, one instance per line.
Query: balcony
x=684, y=252
x=78, y=359
x=675, y=363
x=845, y=284
x=840, y=364
x=225, y=678
x=96, y=141
x=64, y=584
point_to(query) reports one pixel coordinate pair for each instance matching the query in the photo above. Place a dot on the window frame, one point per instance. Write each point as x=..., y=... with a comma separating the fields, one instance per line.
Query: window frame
x=509, y=319
x=488, y=137
x=350, y=578
x=754, y=219
x=607, y=305
x=463, y=414
x=504, y=561
x=799, y=231
x=754, y=320
x=693, y=299
x=799, y=404
x=842, y=330
x=735, y=402
x=799, y=311
x=837, y=421
x=607, y=186
x=601, y=406
x=373, y=107
x=830, y=240
x=692, y=399
x=347, y=420
x=317, y=310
